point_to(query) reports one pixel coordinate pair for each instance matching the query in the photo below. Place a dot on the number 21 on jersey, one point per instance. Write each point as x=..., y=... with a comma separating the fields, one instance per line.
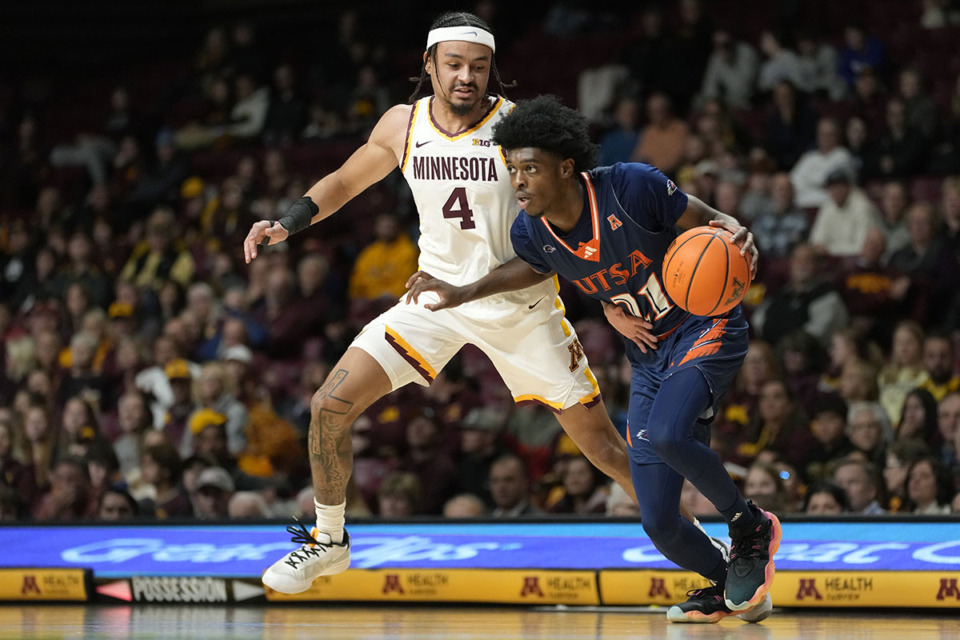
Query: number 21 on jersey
x=655, y=296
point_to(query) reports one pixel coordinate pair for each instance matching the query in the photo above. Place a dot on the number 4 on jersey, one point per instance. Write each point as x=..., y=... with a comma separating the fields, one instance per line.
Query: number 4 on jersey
x=457, y=206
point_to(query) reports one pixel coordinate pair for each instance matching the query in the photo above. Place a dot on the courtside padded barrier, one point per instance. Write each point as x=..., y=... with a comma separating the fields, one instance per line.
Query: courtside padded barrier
x=844, y=563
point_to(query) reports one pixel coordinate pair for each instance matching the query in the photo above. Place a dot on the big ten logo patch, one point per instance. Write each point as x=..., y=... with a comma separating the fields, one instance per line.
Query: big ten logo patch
x=477, y=142
x=948, y=589
x=531, y=587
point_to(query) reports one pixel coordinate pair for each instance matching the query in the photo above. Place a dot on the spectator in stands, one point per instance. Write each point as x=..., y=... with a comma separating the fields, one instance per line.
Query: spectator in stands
x=664, y=137
x=950, y=211
x=731, y=72
x=809, y=174
x=778, y=426
x=783, y=226
x=859, y=481
x=928, y=487
x=399, y=495
x=919, y=420
x=858, y=141
x=425, y=459
x=829, y=426
x=868, y=102
x=938, y=14
x=464, y=505
x=382, y=268
x=287, y=111
x=509, y=484
x=901, y=455
x=621, y=505
x=368, y=100
x=69, y=497
x=160, y=182
x=289, y=320
x=159, y=257
x=215, y=488
x=181, y=405
x=583, y=490
x=133, y=419
x=859, y=51
x=479, y=447
x=765, y=487
x=825, y=499
x=162, y=469
x=14, y=473
x=869, y=431
x=40, y=443
x=921, y=109
x=904, y=370
x=899, y=151
x=930, y=263
x=818, y=66
x=806, y=302
x=103, y=466
x=893, y=205
x=843, y=221
x=760, y=365
x=212, y=395
x=781, y=65
x=82, y=269
x=948, y=423
x=872, y=292
x=116, y=504
x=619, y=141
x=250, y=505
x=802, y=357
x=81, y=377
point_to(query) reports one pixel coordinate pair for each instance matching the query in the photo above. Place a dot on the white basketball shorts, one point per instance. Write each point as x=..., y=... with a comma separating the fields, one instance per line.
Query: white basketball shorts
x=535, y=351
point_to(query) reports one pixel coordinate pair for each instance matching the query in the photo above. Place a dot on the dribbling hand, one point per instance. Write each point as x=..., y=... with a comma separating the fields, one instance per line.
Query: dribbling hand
x=262, y=234
x=744, y=239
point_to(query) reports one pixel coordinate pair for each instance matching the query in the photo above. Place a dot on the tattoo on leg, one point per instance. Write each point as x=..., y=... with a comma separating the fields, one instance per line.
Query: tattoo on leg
x=327, y=417
x=331, y=455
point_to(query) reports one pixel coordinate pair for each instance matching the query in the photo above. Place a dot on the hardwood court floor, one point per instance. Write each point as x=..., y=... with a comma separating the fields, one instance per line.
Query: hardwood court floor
x=406, y=622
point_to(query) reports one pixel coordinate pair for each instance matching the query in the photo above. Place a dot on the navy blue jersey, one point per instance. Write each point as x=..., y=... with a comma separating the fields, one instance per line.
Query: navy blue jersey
x=615, y=253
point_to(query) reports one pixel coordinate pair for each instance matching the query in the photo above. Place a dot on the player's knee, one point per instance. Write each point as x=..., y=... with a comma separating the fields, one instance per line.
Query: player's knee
x=665, y=443
x=659, y=527
x=333, y=411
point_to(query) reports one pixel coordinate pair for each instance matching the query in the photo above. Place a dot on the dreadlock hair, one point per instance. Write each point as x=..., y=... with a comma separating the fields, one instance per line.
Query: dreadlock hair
x=456, y=19
x=544, y=123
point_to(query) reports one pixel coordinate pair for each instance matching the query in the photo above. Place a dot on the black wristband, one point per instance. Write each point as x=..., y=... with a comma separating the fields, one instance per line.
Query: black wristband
x=299, y=215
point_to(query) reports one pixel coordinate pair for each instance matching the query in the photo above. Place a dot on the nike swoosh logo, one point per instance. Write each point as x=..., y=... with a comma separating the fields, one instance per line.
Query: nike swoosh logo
x=469, y=33
x=536, y=303
x=420, y=144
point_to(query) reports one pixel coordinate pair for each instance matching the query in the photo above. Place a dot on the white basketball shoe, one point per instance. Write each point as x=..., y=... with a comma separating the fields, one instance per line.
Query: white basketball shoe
x=317, y=556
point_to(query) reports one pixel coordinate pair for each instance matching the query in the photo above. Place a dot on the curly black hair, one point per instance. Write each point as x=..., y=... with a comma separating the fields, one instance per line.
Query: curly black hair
x=455, y=19
x=544, y=123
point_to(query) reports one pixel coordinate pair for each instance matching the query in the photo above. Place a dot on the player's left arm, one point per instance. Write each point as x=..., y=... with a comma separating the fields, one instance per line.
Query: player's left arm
x=698, y=213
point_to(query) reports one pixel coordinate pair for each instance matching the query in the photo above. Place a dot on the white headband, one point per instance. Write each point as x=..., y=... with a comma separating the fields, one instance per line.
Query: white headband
x=464, y=34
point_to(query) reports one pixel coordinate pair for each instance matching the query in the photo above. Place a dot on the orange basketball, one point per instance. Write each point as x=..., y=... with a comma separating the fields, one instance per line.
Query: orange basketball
x=704, y=273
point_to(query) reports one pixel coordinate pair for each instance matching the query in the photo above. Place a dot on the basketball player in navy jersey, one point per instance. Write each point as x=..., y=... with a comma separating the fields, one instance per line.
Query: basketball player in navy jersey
x=607, y=230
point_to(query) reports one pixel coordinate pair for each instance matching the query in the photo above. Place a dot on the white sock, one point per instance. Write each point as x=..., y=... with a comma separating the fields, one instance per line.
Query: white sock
x=330, y=520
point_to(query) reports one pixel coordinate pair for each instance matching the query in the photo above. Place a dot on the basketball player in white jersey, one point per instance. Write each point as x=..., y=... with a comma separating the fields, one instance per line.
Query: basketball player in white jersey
x=460, y=184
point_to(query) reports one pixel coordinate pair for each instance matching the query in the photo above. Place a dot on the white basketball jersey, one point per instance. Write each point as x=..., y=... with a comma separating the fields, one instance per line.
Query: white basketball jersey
x=466, y=204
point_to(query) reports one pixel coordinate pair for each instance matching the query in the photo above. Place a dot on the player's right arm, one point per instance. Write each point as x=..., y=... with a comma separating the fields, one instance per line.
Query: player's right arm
x=369, y=164
x=510, y=276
